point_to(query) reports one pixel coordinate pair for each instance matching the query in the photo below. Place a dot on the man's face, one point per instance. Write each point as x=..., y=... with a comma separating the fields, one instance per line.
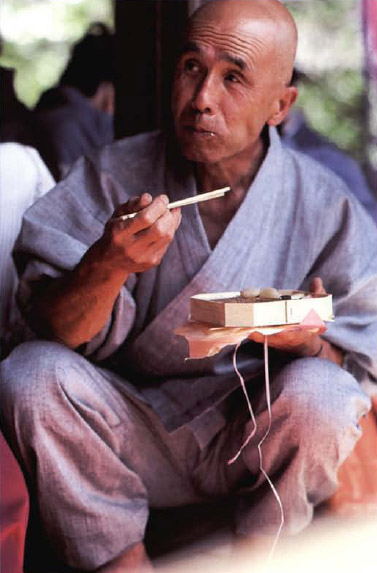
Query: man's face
x=225, y=90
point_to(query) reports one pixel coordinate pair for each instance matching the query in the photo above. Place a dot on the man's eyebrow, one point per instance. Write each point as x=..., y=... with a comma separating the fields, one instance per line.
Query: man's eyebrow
x=190, y=47
x=193, y=47
x=239, y=62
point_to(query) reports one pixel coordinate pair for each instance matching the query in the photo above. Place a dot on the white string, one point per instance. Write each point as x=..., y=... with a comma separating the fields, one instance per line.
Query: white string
x=274, y=491
x=252, y=433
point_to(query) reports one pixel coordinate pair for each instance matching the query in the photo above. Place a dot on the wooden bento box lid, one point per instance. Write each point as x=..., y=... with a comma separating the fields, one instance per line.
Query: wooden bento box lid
x=231, y=309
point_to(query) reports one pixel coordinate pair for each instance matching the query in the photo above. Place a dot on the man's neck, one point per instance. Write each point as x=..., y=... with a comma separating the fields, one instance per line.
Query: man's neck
x=238, y=174
x=235, y=172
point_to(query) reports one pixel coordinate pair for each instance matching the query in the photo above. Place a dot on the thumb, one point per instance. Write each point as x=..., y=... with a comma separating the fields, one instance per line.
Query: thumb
x=316, y=286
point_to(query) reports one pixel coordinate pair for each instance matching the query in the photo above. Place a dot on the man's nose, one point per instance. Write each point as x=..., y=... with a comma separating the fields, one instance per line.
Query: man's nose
x=204, y=98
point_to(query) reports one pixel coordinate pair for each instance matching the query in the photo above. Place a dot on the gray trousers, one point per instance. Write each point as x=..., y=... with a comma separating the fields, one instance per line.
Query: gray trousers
x=98, y=458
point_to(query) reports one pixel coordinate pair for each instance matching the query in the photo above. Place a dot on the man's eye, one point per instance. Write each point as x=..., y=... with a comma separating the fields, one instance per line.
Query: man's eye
x=232, y=78
x=191, y=66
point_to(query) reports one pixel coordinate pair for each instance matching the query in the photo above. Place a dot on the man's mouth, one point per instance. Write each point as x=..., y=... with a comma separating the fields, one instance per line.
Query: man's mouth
x=199, y=131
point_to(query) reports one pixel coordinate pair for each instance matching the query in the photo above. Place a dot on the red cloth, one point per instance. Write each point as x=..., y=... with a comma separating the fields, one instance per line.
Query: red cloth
x=357, y=491
x=14, y=511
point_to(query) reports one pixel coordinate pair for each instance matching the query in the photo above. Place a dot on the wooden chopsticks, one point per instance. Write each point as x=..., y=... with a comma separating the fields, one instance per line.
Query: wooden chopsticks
x=188, y=201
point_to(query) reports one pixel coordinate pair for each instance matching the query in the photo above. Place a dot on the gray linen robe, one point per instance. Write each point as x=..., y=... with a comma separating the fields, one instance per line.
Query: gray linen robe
x=297, y=221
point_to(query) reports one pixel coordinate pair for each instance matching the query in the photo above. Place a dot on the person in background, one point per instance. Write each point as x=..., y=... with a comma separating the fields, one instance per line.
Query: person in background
x=17, y=121
x=299, y=135
x=76, y=116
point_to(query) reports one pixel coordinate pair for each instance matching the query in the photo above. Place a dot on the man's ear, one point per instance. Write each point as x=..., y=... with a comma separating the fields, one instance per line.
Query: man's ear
x=283, y=105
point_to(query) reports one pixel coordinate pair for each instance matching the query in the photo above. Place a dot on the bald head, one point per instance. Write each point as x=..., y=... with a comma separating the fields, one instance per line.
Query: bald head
x=232, y=79
x=268, y=19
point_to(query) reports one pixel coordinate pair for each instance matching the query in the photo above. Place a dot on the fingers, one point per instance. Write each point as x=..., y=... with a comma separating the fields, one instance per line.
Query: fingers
x=142, y=253
x=148, y=215
x=316, y=286
x=256, y=337
x=133, y=205
x=140, y=243
x=148, y=211
x=152, y=255
x=163, y=228
x=299, y=342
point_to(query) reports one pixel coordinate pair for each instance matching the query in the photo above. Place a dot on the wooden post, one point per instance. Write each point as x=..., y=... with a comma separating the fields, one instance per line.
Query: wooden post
x=148, y=34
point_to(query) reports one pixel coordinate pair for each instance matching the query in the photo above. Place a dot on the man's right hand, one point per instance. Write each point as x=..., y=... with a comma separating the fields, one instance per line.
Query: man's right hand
x=139, y=244
x=74, y=308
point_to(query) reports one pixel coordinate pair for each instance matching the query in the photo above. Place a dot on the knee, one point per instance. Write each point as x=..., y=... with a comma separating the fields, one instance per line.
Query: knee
x=29, y=377
x=324, y=401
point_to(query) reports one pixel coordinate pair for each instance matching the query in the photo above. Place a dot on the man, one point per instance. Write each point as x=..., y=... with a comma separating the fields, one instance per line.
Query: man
x=137, y=426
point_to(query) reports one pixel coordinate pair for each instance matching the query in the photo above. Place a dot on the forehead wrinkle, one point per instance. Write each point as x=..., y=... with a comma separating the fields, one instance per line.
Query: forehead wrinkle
x=239, y=62
x=240, y=51
x=224, y=55
x=268, y=20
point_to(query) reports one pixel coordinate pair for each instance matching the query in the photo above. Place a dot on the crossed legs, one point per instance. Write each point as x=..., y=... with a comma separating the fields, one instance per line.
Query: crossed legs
x=97, y=458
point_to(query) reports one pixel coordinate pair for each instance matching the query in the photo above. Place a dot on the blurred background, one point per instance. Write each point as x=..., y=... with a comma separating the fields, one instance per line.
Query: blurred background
x=38, y=34
x=335, y=60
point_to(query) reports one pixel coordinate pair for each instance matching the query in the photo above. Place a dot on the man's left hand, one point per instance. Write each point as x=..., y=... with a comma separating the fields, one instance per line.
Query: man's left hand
x=303, y=343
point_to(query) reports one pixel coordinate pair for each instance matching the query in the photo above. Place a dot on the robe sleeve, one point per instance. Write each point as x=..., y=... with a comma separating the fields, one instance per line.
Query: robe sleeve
x=347, y=261
x=56, y=233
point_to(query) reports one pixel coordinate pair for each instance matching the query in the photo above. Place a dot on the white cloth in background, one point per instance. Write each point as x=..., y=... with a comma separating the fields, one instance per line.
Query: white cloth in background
x=23, y=179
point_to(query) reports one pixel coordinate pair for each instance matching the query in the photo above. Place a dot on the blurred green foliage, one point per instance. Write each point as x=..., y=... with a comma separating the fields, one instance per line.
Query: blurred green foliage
x=38, y=64
x=334, y=106
x=333, y=96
